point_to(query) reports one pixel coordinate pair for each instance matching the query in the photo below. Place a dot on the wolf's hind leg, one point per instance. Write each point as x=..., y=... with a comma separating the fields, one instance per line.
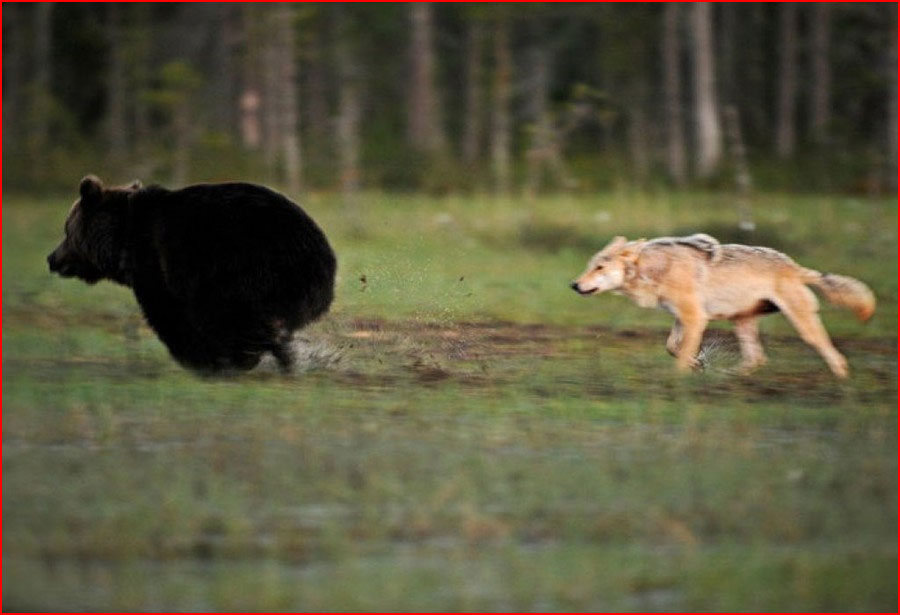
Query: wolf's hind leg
x=800, y=307
x=747, y=331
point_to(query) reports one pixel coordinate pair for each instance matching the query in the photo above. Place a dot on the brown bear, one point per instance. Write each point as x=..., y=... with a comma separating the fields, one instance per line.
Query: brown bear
x=223, y=272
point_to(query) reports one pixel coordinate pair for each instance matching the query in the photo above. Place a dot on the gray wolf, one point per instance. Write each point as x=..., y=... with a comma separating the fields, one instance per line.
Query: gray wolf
x=697, y=279
x=223, y=272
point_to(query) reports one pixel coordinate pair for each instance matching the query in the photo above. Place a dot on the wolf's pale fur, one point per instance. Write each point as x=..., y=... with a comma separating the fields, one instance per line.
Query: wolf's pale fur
x=697, y=280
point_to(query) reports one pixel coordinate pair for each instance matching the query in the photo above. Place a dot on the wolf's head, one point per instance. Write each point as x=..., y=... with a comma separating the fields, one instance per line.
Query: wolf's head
x=609, y=268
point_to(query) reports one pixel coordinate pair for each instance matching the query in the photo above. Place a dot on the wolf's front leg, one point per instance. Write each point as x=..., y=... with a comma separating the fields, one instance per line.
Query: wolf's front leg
x=674, y=340
x=694, y=323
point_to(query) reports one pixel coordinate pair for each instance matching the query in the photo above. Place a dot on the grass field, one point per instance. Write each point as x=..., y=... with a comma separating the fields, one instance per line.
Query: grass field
x=465, y=432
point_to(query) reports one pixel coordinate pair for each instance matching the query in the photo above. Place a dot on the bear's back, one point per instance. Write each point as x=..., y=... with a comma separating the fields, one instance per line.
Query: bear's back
x=239, y=207
x=232, y=238
x=230, y=216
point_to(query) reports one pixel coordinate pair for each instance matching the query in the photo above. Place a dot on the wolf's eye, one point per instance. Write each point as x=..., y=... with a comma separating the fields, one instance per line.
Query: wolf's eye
x=598, y=268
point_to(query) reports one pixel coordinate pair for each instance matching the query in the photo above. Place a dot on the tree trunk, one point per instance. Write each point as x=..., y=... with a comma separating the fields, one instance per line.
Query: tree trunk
x=606, y=18
x=349, y=111
x=250, y=102
x=541, y=137
x=222, y=82
x=41, y=93
x=472, y=121
x=821, y=67
x=500, y=121
x=42, y=45
x=13, y=74
x=671, y=50
x=271, y=95
x=786, y=133
x=726, y=59
x=316, y=92
x=892, y=115
x=638, y=137
x=742, y=179
x=182, y=155
x=753, y=91
x=251, y=134
x=425, y=132
x=116, y=124
x=140, y=35
x=709, y=130
x=287, y=95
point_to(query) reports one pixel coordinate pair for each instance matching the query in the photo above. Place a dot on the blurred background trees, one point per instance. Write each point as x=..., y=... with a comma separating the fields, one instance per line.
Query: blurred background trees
x=447, y=97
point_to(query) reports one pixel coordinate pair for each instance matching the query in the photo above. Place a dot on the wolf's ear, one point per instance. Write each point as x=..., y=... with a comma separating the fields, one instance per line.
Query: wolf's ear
x=90, y=188
x=615, y=245
x=136, y=185
x=631, y=252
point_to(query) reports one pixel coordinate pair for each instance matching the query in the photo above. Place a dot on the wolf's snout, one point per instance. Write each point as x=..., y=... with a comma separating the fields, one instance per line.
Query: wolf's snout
x=576, y=286
x=53, y=262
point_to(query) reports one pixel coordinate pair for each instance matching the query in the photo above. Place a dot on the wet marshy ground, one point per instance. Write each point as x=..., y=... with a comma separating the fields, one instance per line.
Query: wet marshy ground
x=460, y=434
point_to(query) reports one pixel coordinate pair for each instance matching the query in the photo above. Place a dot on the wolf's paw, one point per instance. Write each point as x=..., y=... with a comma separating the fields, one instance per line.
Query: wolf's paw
x=748, y=367
x=690, y=365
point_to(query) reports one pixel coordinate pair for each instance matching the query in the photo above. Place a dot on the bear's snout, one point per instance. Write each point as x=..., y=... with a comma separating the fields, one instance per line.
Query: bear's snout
x=61, y=263
x=53, y=262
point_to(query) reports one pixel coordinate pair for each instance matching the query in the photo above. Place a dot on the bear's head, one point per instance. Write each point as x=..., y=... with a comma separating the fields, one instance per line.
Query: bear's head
x=94, y=245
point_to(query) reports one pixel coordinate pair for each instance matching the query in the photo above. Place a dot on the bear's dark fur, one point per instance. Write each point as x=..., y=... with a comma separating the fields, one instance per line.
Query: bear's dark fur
x=223, y=272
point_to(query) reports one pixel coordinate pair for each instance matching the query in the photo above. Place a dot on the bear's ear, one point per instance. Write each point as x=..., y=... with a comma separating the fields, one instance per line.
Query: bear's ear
x=91, y=188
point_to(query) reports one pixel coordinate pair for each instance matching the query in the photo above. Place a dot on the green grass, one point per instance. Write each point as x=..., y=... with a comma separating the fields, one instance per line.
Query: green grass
x=467, y=434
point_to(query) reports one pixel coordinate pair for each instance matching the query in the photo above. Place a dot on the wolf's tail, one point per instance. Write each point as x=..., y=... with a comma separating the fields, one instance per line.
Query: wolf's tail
x=845, y=292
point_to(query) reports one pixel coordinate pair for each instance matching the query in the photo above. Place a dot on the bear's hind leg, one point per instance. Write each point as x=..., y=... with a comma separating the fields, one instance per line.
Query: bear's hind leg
x=282, y=344
x=282, y=347
x=284, y=354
